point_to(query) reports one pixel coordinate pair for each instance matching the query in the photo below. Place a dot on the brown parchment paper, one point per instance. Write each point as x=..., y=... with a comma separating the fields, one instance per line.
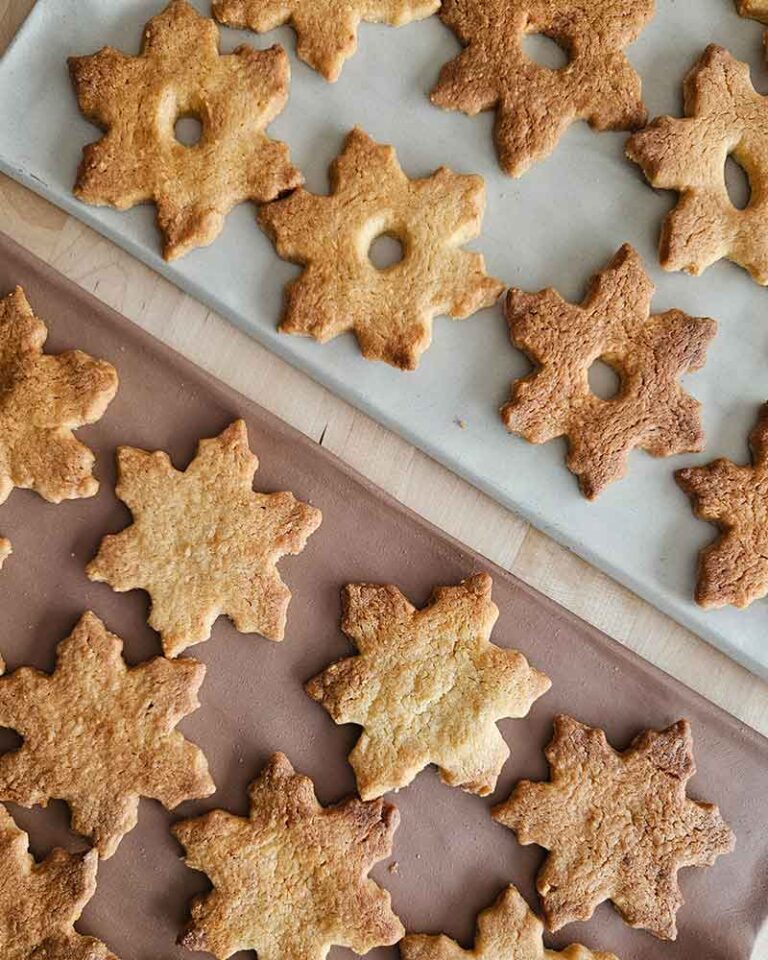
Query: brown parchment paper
x=452, y=858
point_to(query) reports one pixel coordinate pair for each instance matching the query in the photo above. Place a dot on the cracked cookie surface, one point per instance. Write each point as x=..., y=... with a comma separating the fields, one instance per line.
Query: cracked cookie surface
x=724, y=116
x=99, y=734
x=203, y=542
x=618, y=825
x=138, y=100
x=535, y=104
x=41, y=902
x=326, y=30
x=426, y=687
x=507, y=930
x=648, y=352
x=390, y=310
x=291, y=879
x=734, y=568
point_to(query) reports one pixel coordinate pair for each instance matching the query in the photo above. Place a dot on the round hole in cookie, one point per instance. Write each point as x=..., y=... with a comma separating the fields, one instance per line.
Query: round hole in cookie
x=604, y=382
x=9, y=740
x=188, y=130
x=386, y=250
x=737, y=183
x=545, y=51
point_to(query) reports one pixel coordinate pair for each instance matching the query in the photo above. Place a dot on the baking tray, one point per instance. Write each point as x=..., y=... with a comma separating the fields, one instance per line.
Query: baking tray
x=453, y=859
x=556, y=226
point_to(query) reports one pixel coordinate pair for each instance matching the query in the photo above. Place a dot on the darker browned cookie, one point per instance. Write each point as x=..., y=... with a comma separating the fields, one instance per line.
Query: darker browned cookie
x=41, y=902
x=734, y=568
x=649, y=353
x=535, y=104
x=618, y=826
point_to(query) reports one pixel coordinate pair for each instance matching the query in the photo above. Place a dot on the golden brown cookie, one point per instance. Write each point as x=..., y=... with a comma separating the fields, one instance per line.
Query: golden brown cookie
x=291, y=879
x=137, y=101
x=390, y=310
x=618, y=826
x=508, y=930
x=45, y=398
x=326, y=30
x=41, y=902
x=535, y=104
x=649, y=353
x=5, y=550
x=757, y=10
x=724, y=116
x=99, y=734
x=734, y=568
x=203, y=542
x=427, y=686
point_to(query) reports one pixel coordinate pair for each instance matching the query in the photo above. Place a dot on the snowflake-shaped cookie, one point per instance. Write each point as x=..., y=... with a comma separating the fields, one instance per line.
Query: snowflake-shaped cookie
x=203, y=542
x=724, y=116
x=291, y=879
x=618, y=826
x=390, y=310
x=649, y=353
x=508, y=930
x=733, y=569
x=100, y=734
x=427, y=687
x=43, y=398
x=41, y=902
x=326, y=30
x=535, y=104
x=138, y=100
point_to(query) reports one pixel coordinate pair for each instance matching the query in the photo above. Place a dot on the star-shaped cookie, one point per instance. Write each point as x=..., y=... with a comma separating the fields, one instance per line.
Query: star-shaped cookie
x=390, y=310
x=535, y=104
x=724, y=116
x=138, y=100
x=291, y=879
x=326, y=30
x=618, y=826
x=203, y=542
x=43, y=398
x=734, y=568
x=427, y=686
x=41, y=902
x=100, y=734
x=508, y=930
x=648, y=352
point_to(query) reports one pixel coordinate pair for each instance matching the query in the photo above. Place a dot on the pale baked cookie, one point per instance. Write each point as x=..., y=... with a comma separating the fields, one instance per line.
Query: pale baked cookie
x=649, y=353
x=427, y=686
x=45, y=398
x=734, y=568
x=99, y=734
x=508, y=930
x=535, y=104
x=41, y=902
x=291, y=879
x=137, y=101
x=724, y=115
x=5, y=550
x=618, y=826
x=326, y=30
x=203, y=542
x=390, y=310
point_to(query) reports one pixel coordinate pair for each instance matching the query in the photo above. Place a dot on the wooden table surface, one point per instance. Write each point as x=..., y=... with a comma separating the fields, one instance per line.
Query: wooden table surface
x=413, y=478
